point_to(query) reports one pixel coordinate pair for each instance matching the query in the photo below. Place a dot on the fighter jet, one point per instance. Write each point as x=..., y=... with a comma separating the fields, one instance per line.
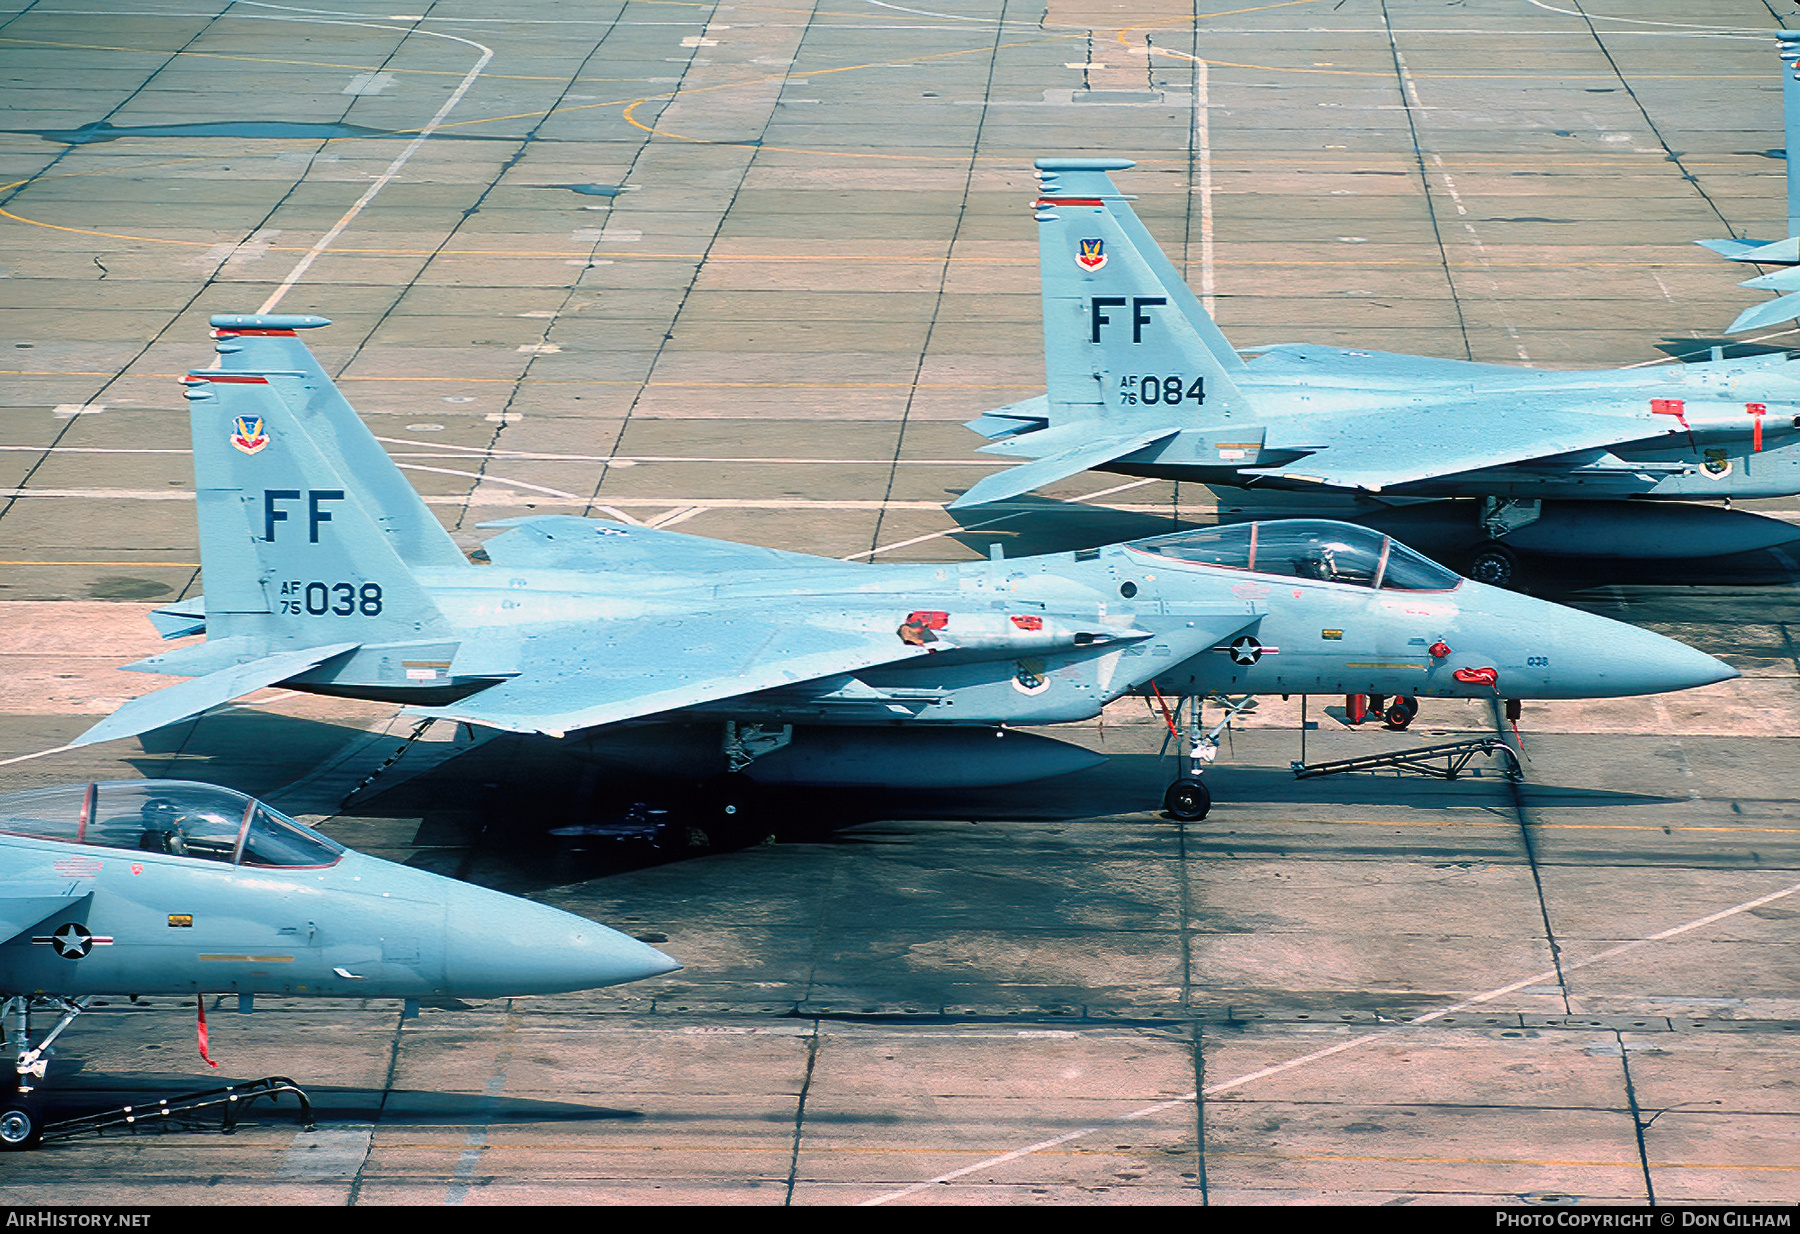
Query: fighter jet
x=1775, y=252
x=1142, y=382
x=173, y=888
x=325, y=572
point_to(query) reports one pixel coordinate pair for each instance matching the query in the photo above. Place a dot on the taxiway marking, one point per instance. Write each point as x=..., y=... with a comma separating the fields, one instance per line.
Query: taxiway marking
x=382, y=181
x=1225, y=1086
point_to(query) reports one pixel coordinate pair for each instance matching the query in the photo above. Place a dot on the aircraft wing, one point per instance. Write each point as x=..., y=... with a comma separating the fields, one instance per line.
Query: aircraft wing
x=191, y=697
x=1382, y=449
x=1091, y=453
x=576, y=677
x=568, y=542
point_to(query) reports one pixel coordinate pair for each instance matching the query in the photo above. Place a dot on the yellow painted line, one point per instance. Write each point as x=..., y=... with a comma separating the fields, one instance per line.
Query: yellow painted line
x=185, y=565
x=1508, y=826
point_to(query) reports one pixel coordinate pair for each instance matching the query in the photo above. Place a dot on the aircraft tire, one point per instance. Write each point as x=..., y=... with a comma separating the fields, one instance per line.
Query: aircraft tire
x=20, y=1127
x=1401, y=711
x=1188, y=800
x=1495, y=564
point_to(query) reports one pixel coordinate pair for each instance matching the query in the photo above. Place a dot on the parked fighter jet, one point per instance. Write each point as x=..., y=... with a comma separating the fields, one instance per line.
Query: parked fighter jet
x=165, y=887
x=1775, y=252
x=1141, y=382
x=325, y=572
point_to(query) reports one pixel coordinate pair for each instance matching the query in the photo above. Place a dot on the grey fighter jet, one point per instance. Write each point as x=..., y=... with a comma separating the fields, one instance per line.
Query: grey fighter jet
x=1785, y=253
x=1142, y=383
x=325, y=572
x=167, y=887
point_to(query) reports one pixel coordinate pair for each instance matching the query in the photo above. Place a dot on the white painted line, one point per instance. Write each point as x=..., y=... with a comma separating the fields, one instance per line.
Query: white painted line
x=476, y=475
x=935, y=535
x=1548, y=975
x=25, y=758
x=615, y=459
x=337, y=229
x=676, y=516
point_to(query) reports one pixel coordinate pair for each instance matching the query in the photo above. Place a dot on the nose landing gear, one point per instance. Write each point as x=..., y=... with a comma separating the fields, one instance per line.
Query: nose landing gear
x=1189, y=799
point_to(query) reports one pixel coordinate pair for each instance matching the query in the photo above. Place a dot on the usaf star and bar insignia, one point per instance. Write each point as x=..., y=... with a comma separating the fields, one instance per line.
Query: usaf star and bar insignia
x=72, y=940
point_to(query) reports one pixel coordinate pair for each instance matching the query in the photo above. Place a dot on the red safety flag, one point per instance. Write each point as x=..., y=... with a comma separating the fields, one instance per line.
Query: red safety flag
x=1759, y=410
x=200, y=1002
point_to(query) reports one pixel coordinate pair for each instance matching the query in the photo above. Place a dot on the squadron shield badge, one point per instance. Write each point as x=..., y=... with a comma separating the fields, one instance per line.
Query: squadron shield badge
x=248, y=434
x=1091, y=255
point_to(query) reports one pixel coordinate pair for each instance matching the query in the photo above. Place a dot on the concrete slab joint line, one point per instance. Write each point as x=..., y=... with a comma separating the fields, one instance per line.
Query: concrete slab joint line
x=1332, y=1051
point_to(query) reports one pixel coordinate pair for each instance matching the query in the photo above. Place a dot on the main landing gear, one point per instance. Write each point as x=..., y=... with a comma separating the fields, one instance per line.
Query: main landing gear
x=1396, y=713
x=1189, y=799
x=728, y=800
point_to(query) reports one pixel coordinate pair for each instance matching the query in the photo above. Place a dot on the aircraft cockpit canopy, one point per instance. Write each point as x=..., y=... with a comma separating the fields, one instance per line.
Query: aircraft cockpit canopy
x=1330, y=552
x=178, y=817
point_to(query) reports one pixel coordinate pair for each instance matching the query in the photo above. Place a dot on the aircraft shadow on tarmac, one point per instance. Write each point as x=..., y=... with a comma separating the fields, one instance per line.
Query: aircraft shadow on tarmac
x=525, y=813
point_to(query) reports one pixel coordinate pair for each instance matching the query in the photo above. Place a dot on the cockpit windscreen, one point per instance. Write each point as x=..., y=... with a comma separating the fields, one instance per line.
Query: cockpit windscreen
x=179, y=818
x=1330, y=552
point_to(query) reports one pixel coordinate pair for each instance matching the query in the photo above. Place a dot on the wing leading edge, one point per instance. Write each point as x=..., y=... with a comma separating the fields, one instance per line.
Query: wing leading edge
x=1379, y=450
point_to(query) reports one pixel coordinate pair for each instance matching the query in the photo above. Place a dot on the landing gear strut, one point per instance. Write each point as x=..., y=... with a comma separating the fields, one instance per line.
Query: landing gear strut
x=1189, y=799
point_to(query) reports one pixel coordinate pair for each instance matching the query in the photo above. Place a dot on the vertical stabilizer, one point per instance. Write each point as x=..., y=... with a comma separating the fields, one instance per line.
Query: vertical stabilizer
x=261, y=343
x=1125, y=339
x=290, y=555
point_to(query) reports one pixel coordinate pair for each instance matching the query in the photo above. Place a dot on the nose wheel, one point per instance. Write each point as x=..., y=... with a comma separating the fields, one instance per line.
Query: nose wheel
x=1494, y=564
x=1187, y=800
x=20, y=1127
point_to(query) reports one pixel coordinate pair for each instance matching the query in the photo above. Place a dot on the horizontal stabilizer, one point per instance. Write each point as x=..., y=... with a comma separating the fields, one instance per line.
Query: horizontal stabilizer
x=582, y=677
x=18, y=913
x=1033, y=413
x=1761, y=252
x=180, y=619
x=190, y=698
x=1785, y=309
x=1095, y=453
x=1780, y=280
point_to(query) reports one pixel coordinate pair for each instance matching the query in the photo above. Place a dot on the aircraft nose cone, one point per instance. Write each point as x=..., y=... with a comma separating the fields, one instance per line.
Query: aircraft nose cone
x=1595, y=657
x=499, y=946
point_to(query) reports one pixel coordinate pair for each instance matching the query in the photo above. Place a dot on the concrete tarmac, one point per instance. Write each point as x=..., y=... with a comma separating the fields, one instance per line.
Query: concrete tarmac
x=743, y=270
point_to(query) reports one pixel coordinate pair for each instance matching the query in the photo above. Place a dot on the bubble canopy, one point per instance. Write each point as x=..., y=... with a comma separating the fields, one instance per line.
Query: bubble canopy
x=180, y=818
x=1320, y=549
